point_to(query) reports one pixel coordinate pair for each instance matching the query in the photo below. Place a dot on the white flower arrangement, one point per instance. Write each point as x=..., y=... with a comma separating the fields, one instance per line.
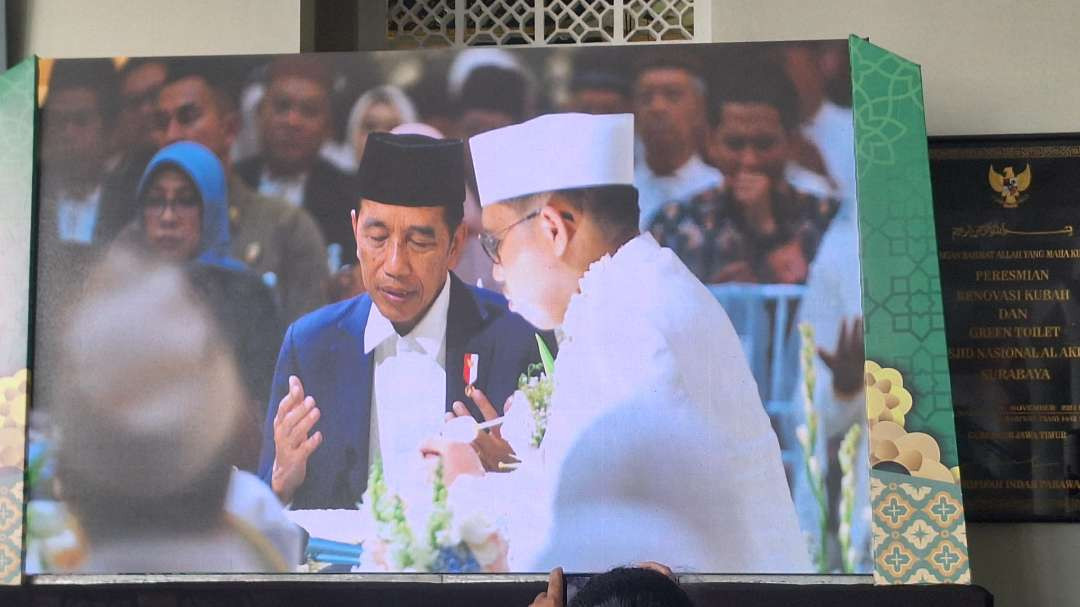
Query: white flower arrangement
x=849, y=449
x=454, y=537
x=807, y=436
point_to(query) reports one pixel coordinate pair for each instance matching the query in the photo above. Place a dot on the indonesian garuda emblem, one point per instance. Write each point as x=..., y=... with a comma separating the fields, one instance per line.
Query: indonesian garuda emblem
x=1010, y=186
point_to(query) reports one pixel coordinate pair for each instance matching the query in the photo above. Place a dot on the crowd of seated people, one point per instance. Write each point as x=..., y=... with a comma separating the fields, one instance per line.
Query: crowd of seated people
x=740, y=172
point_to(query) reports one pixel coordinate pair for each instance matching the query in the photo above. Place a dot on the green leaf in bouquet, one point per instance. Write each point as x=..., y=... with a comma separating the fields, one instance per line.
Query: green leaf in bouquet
x=545, y=356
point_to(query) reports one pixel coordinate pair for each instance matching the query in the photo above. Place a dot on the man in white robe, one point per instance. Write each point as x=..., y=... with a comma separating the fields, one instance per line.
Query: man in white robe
x=641, y=340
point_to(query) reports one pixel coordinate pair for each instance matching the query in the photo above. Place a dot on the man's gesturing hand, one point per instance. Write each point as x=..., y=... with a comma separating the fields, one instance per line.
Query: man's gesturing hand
x=296, y=415
x=490, y=445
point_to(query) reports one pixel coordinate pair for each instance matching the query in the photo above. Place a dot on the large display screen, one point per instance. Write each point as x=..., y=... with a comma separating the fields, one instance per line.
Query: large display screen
x=250, y=358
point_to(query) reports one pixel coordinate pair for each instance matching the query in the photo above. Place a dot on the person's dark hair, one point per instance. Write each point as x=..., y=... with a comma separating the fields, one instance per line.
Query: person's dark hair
x=661, y=59
x=614, y=208
x=597, y=79
x=221, y=81
x=308, y=67
x=136, y=62
x=104, y=516
x=497, y=89
x=765, y=84
x=97, y=75
x=631, y=587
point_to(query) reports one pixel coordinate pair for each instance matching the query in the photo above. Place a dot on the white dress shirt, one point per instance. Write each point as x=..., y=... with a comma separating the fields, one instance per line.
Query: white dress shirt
x=408, y=398
x=290, y=189
x=76, y=217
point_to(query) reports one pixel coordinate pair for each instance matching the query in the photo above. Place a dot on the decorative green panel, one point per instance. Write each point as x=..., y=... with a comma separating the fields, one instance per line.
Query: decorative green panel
x=17, y=105
x=905, y=330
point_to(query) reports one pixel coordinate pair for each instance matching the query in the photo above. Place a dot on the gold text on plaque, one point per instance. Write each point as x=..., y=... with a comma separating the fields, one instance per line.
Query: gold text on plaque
x=991, y=229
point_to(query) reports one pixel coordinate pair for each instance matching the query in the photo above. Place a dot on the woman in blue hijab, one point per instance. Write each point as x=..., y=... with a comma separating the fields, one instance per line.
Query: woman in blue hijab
x=184, y=218
x=195, y=224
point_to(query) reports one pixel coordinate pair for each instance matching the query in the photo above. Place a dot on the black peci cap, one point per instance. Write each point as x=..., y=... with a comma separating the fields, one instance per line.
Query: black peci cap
x=412, y=171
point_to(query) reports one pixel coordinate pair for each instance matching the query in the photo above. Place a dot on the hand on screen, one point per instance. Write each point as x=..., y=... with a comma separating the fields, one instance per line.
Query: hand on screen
x=457, y=458
x=555, y=595
x=492, y=448
x=788, y=263
x=848, y=360
x=293, y=443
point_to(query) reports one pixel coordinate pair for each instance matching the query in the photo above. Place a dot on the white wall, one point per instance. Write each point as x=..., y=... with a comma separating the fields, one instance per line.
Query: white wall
x=105, y=28
x=989, y=66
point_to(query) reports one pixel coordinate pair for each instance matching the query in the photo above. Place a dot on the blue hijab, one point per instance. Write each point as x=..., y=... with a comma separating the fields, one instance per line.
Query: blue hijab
x=205, y=171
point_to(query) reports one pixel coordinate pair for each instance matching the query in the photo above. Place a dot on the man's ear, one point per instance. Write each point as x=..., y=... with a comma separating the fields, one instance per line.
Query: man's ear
x=457, y=244
x=356, y=235
x=559, y=222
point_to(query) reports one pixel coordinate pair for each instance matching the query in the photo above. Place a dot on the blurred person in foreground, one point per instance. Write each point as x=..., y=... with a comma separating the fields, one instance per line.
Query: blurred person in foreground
x=669, y=111
x=369, y=378
x=280, y=243
x=294, y=121
x=758, y=226
x=146, y=433
x=649, y=584
x=184, y=220
x=641, y=340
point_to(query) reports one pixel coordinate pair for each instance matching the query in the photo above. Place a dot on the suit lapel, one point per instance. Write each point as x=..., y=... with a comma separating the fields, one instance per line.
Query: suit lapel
x=464, y=319
x=355, y=373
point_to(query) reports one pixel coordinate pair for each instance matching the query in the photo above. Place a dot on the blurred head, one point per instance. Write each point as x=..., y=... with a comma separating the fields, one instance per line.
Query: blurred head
x=408, y=222
x=542, y=244
x=294, y=114
x=140, y=83
x=192, y=108
x=77, y=116
x=752, y=119
x=379, y=110
x=631, y=587
x=183, y=198
x=147, y=421
x=669, y=110
x=492, y=97
x=598, y=92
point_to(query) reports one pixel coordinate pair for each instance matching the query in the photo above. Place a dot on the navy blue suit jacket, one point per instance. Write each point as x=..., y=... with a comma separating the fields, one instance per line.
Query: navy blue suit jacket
x=325, y=349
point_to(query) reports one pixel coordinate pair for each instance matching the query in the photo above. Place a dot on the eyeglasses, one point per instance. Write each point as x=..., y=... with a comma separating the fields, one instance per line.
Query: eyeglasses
x=183, y=203
x=491, y=242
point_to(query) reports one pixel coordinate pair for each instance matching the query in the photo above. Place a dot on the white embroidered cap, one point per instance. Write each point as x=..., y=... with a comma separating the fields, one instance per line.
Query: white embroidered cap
x=553, y=152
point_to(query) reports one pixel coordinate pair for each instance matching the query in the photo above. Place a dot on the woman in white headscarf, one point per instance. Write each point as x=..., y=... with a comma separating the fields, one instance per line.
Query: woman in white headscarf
x=378, y=110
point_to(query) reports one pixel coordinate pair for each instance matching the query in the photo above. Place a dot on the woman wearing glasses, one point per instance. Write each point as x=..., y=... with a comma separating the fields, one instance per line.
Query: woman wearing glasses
x=184, y=219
